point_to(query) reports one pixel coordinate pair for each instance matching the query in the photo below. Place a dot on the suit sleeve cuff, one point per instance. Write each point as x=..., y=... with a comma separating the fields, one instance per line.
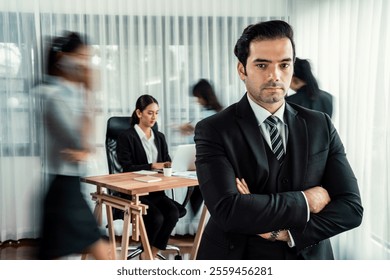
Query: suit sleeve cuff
x=308, y=209
x=290, y=243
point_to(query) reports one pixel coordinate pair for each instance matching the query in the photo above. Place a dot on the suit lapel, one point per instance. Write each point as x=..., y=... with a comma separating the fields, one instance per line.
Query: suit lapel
x=297, y=145
x=139, y=148
x=158, y=146
x=247, y=122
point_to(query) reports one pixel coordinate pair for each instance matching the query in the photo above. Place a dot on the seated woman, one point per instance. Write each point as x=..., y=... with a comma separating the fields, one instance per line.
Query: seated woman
x=142, y=148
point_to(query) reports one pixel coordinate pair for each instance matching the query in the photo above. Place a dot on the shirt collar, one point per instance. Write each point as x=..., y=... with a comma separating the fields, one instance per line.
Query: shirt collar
x=142, y=134
x=261, y=113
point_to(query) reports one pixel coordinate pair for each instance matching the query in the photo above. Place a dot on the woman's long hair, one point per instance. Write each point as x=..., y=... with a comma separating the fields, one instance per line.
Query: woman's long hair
x=204, y=90
x=302, y=70
x=68, y=43
x=142, y=102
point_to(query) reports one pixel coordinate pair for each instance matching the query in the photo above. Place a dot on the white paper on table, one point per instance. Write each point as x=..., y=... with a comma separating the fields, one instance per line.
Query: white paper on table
x=145, y=172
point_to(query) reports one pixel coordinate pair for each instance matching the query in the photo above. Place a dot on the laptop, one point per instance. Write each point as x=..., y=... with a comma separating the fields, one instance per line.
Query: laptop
x=184, y=158
x=183, y=162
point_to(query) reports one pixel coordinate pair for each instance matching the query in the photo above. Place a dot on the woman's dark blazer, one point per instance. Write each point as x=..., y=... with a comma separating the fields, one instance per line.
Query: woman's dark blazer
x=131, y=154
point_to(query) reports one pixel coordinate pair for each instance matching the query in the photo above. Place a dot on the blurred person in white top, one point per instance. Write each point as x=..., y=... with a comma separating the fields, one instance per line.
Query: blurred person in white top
x=69, y=226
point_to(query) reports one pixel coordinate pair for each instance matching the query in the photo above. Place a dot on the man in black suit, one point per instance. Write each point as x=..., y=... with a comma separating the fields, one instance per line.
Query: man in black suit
x=272, y=201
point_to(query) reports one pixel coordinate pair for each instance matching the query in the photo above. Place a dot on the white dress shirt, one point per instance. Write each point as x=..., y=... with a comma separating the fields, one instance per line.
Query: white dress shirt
x=148, y=144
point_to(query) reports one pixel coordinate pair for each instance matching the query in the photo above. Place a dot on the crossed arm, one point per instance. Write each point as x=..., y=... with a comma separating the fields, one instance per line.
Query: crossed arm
x=306, y=211
x=317, y=198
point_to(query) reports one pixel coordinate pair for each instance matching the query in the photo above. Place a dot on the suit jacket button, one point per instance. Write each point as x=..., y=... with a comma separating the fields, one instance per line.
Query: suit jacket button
x=285, y=181
x=231, y=247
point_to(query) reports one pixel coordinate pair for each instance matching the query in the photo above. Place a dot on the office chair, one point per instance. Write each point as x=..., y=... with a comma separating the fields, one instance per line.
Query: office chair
x=115, y=126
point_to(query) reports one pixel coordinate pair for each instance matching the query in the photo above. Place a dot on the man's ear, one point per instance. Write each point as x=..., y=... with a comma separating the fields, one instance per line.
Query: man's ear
x=241, y=71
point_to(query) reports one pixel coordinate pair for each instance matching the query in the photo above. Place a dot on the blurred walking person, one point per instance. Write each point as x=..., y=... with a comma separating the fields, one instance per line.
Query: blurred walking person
x=69, y=227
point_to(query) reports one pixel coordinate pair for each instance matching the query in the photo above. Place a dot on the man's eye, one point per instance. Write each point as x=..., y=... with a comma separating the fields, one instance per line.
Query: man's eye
x=260, y=65
x=285, y=65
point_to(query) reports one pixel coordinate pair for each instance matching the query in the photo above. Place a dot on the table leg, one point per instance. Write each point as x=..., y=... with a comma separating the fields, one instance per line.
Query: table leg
x=199, y=232
x=97, y=212
x=145, y=239
x=125, y=234
x=135, y=219
x=98, y=207
x=139, y=229
x=111, y=232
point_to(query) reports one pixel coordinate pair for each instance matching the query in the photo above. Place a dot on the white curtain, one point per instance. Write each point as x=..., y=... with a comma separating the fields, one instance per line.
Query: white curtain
x=162, y=47
x=348, y=43
x=159, y=47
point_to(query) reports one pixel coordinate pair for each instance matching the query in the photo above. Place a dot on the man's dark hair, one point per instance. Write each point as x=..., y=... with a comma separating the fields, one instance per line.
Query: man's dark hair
x=274, y=29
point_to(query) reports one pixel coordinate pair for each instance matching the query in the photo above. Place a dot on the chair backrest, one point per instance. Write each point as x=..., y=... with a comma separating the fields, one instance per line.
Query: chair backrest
x=115, y=126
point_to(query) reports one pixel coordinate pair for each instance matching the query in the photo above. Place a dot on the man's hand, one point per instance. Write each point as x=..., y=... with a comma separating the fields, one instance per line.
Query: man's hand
x=317, y=198
x=242, y=187
x=282, y=236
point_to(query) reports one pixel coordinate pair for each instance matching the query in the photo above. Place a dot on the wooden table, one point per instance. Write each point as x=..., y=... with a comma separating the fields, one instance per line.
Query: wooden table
x=133, y=209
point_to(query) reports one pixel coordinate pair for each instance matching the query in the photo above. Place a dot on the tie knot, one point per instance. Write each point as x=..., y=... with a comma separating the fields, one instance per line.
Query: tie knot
x=271, y=121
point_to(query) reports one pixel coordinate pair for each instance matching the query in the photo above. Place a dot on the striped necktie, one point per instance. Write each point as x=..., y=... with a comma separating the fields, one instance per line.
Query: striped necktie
x=276, y=139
